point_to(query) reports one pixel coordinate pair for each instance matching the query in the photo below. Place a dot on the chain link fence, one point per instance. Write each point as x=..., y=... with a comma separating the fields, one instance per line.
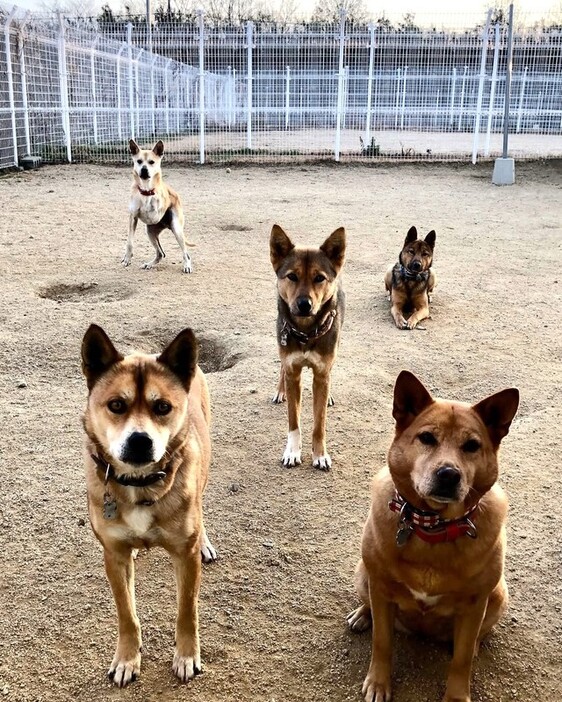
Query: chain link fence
x=77, y=91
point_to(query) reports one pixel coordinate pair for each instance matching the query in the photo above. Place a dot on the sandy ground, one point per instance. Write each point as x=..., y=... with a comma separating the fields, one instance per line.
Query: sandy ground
x=273, y=607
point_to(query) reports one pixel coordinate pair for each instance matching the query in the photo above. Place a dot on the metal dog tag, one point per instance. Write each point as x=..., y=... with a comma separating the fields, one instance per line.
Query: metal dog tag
x=403, y=533
x=109, y=506
x=284, y=338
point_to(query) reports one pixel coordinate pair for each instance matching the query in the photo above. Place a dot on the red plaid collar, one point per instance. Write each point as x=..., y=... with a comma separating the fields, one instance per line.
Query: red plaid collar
x=429, y=526
x=147, y=193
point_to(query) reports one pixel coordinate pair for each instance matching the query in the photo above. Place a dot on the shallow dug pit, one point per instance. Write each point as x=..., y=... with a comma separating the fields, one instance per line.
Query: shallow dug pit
x=216, y=352
x=86, y=291
x=235, y=228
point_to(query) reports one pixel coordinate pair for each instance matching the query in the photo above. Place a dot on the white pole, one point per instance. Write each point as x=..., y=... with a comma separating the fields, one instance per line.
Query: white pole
x=201, y=87
x=452, y=103
x=93, y=80
x=229, y=98
x=21, y=55
x=397, y=105
x=287, y=96
x=461, y=101
x=250, y=40
x=131, y=90
x=370, y=86
x=234, y=107
x=152, y=95
x=403, y=107
x=137, y=91
x=63, y=81
x=521, y=94
x=11, y=82
x=167, y=95
x=481, y=86
x=178, y=101
x=507, y=92
x=337, y=147
x=492, y=89
x=119, y=99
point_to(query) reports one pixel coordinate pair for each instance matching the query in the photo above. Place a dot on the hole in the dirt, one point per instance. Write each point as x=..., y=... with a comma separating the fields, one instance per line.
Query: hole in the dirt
x=90, y=291
x=216, y=353
x=235, y=228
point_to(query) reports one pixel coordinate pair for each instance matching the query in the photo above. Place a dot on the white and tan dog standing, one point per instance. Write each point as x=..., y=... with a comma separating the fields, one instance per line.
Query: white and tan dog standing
x=155, y=204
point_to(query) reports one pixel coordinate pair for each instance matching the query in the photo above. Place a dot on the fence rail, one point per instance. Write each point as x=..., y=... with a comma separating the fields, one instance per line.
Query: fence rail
x=68, y=92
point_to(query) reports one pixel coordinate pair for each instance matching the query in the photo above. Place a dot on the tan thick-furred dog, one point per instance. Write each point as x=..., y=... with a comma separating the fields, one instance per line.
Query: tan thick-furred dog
x=155, y=204
x=310, y=306
x=411, y=280
x=434, y=542
x=147, y=455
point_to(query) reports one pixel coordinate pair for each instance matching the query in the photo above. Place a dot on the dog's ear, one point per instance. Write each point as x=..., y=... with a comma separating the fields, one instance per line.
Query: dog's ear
x=334, y=248
x=159, y=148
x=497, y=412
x=410, y=398
x=412, y=235
x=181, y=356
x=98, y=354
x=280, y=246
x=134, y=148
x=430, y=239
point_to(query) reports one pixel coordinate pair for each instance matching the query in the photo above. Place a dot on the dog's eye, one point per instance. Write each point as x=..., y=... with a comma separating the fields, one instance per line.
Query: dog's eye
x=117, y=406
x=161, y=407
x=151, y=163
x=319, y=278
x=411, y=252
x=425, y=253
x=427, y=438
x=293, y=277
x=139, y=160
x=471, y=446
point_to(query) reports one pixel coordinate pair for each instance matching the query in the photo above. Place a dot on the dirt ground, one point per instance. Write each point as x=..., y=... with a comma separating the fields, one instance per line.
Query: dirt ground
x=273, y=608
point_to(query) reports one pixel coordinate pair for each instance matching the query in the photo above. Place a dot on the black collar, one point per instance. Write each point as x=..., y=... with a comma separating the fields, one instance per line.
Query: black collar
x=412, y=275
x=108, y=472
x=304, y=337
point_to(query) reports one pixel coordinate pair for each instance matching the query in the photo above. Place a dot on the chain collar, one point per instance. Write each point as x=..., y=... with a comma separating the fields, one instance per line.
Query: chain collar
x=302, y=337
x=411, y=275
x=108, y=471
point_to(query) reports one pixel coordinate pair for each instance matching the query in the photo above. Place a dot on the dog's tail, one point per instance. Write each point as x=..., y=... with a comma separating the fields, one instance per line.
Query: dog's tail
x=160, y=248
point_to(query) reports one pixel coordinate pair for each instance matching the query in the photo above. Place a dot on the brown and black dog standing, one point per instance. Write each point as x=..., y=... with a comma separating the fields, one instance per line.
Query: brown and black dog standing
x=434, y=542
x=154, y=203
x=411, y=281
x=310, y=315
x=147, y=455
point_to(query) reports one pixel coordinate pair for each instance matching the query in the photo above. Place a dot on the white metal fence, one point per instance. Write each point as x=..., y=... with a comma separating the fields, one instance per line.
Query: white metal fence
x=262, y=92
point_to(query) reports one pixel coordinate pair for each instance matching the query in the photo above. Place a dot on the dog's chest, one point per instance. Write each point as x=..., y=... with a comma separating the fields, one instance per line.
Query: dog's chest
x=312, y=359
x=150, y=210
x=136, y=527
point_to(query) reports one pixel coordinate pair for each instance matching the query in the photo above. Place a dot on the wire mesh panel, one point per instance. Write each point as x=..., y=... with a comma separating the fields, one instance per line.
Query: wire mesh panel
x=74, y=89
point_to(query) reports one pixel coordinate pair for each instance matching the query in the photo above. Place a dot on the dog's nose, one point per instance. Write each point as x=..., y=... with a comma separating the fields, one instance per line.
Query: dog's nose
x=144, y=174
x=416, y=265
x=138, y=448
x=447, y=480
x=304, y=305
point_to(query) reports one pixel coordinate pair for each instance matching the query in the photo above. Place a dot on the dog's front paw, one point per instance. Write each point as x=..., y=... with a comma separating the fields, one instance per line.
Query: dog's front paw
x=331, y=402
x=187, y=267
x=322, y=462
x=124, y=669
x=376, y=690
x=186, y=667
x=126, y=260
x=291, y=457
x=278, y=398
x=208, y=551
x=359, y=619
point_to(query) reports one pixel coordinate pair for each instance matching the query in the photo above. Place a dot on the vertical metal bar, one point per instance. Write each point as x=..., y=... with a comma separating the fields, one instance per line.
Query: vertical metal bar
x=481, y=85
x=229, y=98
x=508, y=71
x=7, y=24
x=131, y=89
x=461, y=101
x=63, y=81
x=452, y=101
x=492, y=88
x=167, y=95
x=250, y=41
x=403, y=105
x=234, y=106
x=23, y=69
x=397, y=105
x=93, y=81
x=521, y=95
x=287, y=96
x=152, y=96
x=337, y=147
x=119, y=99
x=148, y=27
x=137, y=91
x=370, y=85
x=201, y=86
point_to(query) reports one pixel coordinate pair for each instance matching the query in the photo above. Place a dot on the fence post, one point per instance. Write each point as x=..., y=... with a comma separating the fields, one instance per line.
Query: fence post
x=287, y=96
x=492, y=88
x=337, y=147
x=521, y=94
x=131, y=90
x=452, y=102
x=21, y=58
x=201, y=22
x=370, y=86
x=119, y=101
x=403, y=105
x=397, y=105
x=7, y=24
x=461, y=105
x=93, y=80
x=152, y=95
x=481, y=86
x=250, y=41
x=137, y=91
x=167, y=95
x=507, y=91
x=63, y=82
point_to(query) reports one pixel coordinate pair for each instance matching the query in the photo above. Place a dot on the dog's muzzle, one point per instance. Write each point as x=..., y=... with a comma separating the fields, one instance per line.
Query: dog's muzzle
x=144, y=174
x=304, y=306
x=138, y=449
x=415, y=266
x=446, y=483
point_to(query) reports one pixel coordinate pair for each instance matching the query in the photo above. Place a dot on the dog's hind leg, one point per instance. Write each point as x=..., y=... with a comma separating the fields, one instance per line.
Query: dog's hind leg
x=431, y=283
x=176, y=225
x=187, y=655
x=119, y=568
x=153, y=231
x=128, y=255
x=360, y=619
